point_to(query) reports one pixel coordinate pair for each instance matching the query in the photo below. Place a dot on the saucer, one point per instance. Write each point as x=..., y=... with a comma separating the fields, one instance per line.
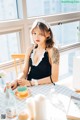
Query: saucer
x=21, y=97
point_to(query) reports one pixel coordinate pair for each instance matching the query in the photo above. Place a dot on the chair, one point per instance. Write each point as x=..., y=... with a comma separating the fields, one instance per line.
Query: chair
x=18, y=60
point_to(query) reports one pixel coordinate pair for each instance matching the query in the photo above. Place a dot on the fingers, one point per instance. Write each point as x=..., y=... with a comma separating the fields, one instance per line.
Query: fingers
x=13, y=87
x=21, y=82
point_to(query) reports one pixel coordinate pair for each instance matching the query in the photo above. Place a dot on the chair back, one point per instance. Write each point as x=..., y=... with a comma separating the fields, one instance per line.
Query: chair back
x=18, y=60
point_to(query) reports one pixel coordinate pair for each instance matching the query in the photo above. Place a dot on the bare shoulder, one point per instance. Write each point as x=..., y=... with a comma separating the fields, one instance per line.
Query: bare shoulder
x=29, y=49
x=54, y=55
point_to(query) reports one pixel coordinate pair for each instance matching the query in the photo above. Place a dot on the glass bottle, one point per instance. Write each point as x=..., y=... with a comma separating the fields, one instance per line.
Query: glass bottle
x=10, y=102
x=57, y=104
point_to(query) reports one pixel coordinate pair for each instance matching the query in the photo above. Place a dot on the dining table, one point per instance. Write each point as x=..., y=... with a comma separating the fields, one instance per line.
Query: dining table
x=64, y=92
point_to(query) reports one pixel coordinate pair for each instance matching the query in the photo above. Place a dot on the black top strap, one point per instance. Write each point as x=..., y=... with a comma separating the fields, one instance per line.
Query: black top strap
x=51, y=80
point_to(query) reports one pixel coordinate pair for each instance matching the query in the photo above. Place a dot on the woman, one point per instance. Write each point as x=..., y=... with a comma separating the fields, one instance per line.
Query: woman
x=42, y=59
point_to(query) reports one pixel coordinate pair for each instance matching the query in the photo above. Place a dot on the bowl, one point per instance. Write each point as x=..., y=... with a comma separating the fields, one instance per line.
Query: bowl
x=22, y=90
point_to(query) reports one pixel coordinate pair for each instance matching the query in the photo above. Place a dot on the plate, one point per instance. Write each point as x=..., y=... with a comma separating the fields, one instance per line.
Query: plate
x=21, y=97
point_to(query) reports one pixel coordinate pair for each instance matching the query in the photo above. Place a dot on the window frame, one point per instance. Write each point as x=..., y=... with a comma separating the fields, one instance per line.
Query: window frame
x=23, y=26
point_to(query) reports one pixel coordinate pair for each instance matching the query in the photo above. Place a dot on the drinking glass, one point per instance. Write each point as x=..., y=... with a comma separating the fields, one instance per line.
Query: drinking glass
x=58, y=108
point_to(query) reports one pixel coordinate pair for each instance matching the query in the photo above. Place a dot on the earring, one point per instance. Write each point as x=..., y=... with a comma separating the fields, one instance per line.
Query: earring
x=49, y=37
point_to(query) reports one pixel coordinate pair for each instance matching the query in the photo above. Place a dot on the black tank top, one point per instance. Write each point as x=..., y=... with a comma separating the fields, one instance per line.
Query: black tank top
x=43, y=69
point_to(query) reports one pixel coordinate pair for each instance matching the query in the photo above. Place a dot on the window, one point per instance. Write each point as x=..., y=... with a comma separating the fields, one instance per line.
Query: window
x=11, y=75
x=8, y=9
x=66, y=58
x=50, y=7
x=46, y=7
x=66, y=34
x=9, y=43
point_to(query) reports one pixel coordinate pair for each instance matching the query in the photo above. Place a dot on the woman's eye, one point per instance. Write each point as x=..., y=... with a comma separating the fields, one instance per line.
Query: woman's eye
x=34, y=33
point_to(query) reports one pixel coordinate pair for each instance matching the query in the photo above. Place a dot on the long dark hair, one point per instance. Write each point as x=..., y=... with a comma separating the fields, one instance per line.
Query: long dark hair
x=49, y=41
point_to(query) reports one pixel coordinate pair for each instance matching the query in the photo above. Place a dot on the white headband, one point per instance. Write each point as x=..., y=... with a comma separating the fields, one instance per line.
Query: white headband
x=41, y=21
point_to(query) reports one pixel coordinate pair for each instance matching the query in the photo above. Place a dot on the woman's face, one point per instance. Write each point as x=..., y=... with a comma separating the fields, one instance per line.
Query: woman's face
x=39, y=37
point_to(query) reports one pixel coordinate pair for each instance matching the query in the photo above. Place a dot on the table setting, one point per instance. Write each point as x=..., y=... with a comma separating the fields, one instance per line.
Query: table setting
x=57, y=99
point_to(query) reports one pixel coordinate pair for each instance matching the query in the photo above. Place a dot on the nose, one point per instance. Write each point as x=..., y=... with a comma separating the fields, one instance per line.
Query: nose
x=37, y=36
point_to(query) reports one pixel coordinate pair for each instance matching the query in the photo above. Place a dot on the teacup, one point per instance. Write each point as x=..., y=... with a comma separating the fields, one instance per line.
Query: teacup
x=22, y=90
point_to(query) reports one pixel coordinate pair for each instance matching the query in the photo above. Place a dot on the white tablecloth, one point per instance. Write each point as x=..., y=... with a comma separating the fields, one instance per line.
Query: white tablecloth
x=63, y=91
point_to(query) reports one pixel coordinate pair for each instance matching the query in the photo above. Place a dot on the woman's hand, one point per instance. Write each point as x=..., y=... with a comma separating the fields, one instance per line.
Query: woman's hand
x=23, y=82
x=14, y=85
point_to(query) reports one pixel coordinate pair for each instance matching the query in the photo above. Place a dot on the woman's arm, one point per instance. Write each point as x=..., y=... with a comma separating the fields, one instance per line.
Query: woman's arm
x=41, y=81
x=21, y=80
x=26, y=64
x=54, y=58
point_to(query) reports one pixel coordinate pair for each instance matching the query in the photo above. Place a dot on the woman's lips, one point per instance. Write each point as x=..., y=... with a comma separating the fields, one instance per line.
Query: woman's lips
x=37, y=40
